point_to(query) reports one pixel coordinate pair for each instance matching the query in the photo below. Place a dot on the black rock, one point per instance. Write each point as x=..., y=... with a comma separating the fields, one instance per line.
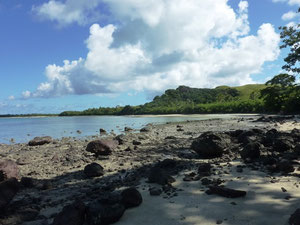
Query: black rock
x=2, y=176
x=167, y=164
x=211, y=145
x=73, y=214
x=155, y=191
x=127, y=129
x=102, y=131
x=27, y=182
x=159, y=176
x=40, y=141
x=282, y=145
x=145, y=129
x=101, y=147
x=93, y=170
x=103, y=214
x=244, y=137
x=131, y=197
x=251, y=151
x=226, y=192
x=135, y=142
x=285, y=166
x=121, y=138
x=204, y=169
x=8, y=189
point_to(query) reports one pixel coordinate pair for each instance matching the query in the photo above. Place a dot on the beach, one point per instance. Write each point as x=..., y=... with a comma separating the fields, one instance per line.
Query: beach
x=56, y=171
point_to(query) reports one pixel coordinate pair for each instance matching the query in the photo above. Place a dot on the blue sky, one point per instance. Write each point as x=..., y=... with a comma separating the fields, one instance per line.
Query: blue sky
x=75, y=54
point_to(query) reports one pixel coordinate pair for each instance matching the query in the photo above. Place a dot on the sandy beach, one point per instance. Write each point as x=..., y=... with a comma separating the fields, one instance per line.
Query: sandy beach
x=56, y=171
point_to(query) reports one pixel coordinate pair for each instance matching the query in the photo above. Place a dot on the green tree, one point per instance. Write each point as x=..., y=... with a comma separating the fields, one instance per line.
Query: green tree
x=291, y=39
x=278, y=93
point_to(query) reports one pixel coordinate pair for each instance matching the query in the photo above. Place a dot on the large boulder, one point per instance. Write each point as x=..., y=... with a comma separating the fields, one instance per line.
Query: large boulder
x=104, y=214
x=102, y=147
x=8, y=169
x=269, y=138
x=40, y=141
x=251, y=135
x=93, y=170
x=211, y=145
x=131, y=197
x=204, y=169
x=251, y=151
x=159, y=176
x=73, y=214
x=282, y=145
x=8, y=189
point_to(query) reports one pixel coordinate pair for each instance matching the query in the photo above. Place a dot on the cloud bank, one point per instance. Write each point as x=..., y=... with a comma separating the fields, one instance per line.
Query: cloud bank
x=156, y=45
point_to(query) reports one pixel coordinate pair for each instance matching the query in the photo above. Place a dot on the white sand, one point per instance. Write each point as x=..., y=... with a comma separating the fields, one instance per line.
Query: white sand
x=264, y=203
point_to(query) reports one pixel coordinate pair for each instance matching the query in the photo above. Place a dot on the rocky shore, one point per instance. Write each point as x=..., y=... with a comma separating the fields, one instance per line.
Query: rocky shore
x=224, y=171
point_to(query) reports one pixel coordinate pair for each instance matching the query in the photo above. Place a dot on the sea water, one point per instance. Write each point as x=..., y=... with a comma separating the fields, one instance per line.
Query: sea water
x=22, y=129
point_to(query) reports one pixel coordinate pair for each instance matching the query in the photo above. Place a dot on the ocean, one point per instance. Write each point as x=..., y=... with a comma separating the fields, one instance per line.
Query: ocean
x=23, y=129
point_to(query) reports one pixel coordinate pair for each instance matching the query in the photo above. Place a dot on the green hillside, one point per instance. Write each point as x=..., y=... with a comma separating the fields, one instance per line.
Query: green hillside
x=206, y=95
x=222, y=99
x=250, y=91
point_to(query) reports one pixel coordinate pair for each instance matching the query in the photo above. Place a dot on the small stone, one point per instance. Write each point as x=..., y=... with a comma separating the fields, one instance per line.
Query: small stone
x=155, y=191
x=283, y=189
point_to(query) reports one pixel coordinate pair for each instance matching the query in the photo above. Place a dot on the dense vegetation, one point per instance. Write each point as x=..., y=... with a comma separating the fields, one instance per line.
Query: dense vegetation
x=222, y=99
x=282, y=93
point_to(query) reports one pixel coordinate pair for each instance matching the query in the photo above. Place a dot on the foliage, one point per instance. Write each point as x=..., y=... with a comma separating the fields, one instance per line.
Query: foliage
x=291, y=39
x=222, y=99
x=282, y=94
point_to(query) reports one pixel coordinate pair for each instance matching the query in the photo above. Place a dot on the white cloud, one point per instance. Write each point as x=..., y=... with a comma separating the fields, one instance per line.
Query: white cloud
x=162, y=44
x=11, y=97
x=72, y=11
x=290, y=2
x=26, y=94
x=289, y=15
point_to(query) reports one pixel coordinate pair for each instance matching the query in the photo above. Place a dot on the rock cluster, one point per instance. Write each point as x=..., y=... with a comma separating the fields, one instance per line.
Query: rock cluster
x=107, y=209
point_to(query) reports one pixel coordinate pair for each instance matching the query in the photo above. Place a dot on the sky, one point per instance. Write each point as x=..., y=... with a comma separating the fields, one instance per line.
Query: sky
x=58, y=55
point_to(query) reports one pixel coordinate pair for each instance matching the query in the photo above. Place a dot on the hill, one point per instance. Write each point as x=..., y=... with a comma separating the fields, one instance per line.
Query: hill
x=222, y=99
x=206, y=95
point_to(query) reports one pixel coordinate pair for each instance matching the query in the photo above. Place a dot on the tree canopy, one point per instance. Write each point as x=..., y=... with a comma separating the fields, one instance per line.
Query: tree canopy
x=290, y=36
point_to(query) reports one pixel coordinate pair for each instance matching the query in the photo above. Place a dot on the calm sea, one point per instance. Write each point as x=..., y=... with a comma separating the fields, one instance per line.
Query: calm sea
x=24, y=129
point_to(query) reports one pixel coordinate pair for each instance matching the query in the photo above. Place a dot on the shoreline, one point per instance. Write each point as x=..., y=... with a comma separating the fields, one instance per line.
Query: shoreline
x=60, y=165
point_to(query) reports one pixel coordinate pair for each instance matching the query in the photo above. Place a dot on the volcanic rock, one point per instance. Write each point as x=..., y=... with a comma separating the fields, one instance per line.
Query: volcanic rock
x=8, y=190
x=131, y=197
x=211, y=145
x=251, y=151
x=73, y=214
x=103, y=214
x=226, y=192
x=93, y=170
x=101, y=147
x=40, y=141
